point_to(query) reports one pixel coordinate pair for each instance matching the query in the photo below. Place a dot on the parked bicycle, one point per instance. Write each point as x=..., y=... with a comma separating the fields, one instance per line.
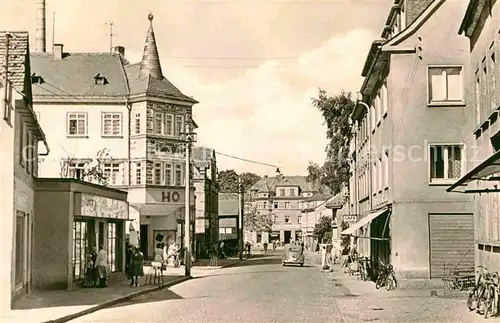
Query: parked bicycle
x=484, y=296
x=386, y=277
x=364, y=265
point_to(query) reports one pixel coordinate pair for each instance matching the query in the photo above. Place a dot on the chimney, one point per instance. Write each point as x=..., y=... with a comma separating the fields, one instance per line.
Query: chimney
x=57, y=51
x=40, y=44
x=120, y=50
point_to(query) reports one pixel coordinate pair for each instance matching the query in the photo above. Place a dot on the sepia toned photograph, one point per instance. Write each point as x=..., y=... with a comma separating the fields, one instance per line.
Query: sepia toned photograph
x=251, y=161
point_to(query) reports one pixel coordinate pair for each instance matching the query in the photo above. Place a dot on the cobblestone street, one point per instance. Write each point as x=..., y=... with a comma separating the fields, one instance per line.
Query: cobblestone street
x=262, y=290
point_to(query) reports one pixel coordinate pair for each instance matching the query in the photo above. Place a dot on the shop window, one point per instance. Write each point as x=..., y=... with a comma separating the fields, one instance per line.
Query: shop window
x=20, y=245
x=80, y=249
x=112, y=246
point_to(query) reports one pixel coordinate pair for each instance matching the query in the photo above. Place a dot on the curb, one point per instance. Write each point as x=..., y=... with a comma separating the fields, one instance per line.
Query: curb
x=117, y=301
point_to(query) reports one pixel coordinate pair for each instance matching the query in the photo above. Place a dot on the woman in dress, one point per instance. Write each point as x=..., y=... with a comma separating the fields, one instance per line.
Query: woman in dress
x=101, y=264
x=136, y=267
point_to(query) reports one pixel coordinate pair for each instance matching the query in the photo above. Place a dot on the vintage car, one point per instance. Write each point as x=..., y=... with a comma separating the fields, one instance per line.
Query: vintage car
x=293, y=255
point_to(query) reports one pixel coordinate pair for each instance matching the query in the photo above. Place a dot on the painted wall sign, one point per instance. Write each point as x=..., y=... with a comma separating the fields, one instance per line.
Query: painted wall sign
x=103, y=207
x=170, y=196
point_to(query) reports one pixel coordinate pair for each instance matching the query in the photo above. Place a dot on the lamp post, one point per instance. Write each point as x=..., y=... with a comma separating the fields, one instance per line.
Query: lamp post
x=240, y=218
x=189, y=137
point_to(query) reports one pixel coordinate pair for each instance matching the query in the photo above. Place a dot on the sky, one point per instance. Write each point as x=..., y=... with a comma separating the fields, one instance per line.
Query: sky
x=254, y=66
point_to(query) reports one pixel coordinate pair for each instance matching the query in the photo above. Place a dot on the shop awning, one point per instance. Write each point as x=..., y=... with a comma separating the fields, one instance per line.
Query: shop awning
x=364, y=221
x=483, y=171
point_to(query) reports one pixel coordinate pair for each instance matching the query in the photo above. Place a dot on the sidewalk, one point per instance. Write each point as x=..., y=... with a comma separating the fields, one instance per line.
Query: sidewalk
x=64, y=305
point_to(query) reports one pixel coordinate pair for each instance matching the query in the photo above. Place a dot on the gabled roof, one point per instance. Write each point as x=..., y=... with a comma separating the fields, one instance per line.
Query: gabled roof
x=269, y=184
x=472, y=17
x=72, y=78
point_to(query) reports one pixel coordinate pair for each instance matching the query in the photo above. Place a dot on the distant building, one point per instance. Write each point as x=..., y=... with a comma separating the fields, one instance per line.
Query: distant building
x=481, y=24
x=410, y=122
x=229, y=210
x=132, y=110
x=20, y=134
x=207, y=198
x=281, y=198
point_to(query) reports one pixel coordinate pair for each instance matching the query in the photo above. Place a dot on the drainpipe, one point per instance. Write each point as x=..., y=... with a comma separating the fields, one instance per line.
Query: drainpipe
x=129, y=145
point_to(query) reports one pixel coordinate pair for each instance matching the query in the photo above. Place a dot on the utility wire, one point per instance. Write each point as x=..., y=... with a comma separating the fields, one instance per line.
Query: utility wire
x=232, y=58
x=239, y=158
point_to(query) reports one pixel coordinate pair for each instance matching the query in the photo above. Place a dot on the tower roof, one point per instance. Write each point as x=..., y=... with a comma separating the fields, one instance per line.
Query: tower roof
x=150, y=64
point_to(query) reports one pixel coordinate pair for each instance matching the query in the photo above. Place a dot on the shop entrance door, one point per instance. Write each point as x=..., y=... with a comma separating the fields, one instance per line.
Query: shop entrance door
x=144, y=240
x=288, y=235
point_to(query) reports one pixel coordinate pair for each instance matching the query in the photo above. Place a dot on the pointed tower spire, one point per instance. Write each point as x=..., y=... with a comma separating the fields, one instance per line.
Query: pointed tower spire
x=150, y=64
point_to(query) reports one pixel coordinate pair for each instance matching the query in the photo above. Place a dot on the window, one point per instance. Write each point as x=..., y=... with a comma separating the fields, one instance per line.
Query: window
x=137, y=123
x=169, y=129
x=379, y=181
x=291, y=192
x=158, y=128
x=445, y=84
x=372, y=117
x=19, y=247
x=112, y=173
x=179, y=125
x=374, y=178
x=81, y=248
x=299, y=219
x=22, y=136
x=386, y=169
x=282, y=192
x=275, y=204
x=478, y=98
x=265, y=205
x=167, y=180
x=178, y=175
x=276, y=219
x=287, y=219
x=112, y=124
x=112, y=246
x=100, y=80
x=77, y=124
x=493, y=79
x=138, y=173
x=446, y=162
x=76, y=170
x=384, y=99
x=157, y=174
x=287, y=205
x=378, y=108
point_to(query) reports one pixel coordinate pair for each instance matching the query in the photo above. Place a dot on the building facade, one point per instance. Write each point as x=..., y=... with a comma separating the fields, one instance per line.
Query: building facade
x=481, y=24
x=20, y=134
x=125, y=126
x=207, y=199
x=281, y=198
x=409, y=124
x=228, y=218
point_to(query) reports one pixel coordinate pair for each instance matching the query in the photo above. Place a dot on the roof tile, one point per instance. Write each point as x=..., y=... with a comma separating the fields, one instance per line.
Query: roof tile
x=18, y=49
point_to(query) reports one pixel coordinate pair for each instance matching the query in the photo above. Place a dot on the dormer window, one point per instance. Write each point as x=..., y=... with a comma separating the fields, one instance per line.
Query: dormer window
x=100, y=80
x=36, y=79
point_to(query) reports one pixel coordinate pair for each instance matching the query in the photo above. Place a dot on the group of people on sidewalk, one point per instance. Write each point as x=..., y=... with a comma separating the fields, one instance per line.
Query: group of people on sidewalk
x=97, y=269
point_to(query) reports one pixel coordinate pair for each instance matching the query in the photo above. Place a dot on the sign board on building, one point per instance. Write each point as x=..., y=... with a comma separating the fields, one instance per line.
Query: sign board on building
x=168, y=195
x=103, y=207
x=351, y=218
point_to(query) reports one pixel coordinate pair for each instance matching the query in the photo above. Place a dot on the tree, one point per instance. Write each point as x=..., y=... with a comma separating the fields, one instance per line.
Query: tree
x=253, y=220
x=229, y=181
x=336, y=111
x=344, y=240
x=323, y=228
x=93, y=172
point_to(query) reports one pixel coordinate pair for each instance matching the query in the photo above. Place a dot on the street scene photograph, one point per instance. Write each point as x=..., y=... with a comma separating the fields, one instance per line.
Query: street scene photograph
x=253, y=161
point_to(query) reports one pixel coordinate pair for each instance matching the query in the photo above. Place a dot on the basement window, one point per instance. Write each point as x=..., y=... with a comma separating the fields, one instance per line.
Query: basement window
x=100, y=80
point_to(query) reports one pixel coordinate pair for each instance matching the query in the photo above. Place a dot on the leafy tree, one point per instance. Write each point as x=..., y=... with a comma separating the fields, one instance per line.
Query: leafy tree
x=93, y=172
x=344, y=240
x=256, y=221
x=323, y=228
x=229, y=181
x=336, y=111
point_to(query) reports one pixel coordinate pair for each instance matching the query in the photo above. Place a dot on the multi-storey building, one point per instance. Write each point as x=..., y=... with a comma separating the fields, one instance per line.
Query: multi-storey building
x=20, y=134
x=229, y=211
x=207, y=199
x=481, y=24
x=410, y=122
x=126, y=120
x=281, y=198
x=313, y=209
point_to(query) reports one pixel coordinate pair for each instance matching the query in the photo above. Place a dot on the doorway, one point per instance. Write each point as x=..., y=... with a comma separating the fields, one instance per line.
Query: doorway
x=143, y=240
x=288, y=235
x=101, y=235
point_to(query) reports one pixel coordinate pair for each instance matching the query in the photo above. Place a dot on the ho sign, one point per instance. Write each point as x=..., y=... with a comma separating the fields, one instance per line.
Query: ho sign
x=170, y=196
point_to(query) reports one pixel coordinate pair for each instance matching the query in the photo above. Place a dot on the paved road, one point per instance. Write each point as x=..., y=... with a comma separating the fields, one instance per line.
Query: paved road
x=261, y=290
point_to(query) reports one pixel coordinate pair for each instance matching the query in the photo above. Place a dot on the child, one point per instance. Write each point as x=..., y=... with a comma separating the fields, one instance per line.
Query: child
x=89, y=272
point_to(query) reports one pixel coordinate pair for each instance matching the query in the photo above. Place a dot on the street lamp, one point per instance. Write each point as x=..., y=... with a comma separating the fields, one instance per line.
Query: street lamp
x=240, y=217
x=188, y=137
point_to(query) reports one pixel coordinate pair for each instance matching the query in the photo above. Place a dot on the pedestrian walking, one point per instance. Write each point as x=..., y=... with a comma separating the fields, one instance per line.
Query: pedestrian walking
x=103, y=271
x=158, y=261
x=265, y=248
x=136, y=267
x=274, y=246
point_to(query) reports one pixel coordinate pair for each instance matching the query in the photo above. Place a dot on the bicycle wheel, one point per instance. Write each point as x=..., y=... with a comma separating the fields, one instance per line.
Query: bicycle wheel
x=378, y=283
x=488, y=302
x=472, y=300
x=390, y=283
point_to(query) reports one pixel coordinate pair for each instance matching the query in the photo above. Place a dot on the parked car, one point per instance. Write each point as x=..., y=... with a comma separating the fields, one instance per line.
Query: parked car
x=293, y=255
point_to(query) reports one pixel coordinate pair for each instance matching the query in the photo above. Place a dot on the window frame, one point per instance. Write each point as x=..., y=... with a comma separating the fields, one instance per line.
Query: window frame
x=138, y=166
x=137, y=123
x=168, y=166
x=446, y=180
x=172, y=124
x=112, y=114
x=112, y=166
x=86, y=124
x=178, y=132
x=446, y=102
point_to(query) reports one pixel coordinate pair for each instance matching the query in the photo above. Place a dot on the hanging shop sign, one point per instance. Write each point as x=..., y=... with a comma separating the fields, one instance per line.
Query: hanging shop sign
x=350, y=218
x=103, y=207
x=172, y=196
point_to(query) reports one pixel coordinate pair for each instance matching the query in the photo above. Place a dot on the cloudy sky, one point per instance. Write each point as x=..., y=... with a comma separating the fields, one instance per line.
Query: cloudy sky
x=253, y=65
